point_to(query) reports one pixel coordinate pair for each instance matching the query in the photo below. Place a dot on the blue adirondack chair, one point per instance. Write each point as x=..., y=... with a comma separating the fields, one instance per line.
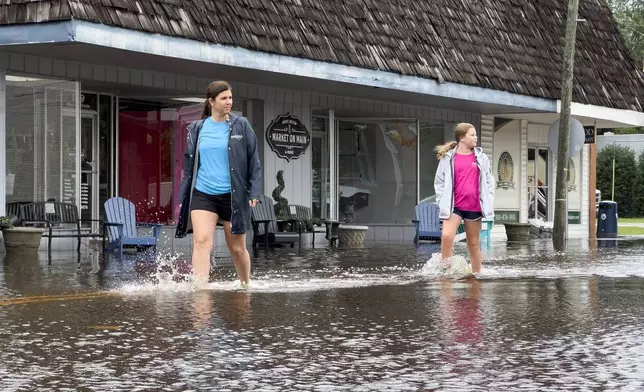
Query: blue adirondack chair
x=428, y=223
x=486, y=228
x=121, y=226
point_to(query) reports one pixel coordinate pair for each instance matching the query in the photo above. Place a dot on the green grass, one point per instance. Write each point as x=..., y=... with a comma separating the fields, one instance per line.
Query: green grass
x=630, y=231
x=631, y=220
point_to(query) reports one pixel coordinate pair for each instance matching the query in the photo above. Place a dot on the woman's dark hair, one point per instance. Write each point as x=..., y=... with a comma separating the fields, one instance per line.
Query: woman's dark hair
x=214, y=89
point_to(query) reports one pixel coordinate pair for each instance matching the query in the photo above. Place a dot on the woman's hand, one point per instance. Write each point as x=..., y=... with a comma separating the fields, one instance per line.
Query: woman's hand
x=253, y=202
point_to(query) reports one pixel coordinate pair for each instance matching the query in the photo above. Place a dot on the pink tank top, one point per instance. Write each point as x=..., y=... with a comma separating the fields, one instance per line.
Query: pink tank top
x=466, y=183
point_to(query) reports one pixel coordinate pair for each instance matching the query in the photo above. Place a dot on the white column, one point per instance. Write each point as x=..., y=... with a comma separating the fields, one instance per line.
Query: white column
x=3, y=144
x=333, y=166
x=523, y=178
x=486, y=135
x=417, y=161
x=116, y=150
x=585, y=186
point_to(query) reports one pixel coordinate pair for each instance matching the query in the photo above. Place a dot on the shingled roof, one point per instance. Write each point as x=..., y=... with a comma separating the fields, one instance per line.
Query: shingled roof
x=508, y=45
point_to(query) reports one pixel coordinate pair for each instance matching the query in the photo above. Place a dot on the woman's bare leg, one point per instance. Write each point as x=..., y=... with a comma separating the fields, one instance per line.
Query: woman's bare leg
x=241, y=258
x=203, y=227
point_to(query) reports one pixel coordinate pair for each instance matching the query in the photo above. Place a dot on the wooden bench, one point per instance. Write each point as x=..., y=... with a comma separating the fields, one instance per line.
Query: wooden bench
x=266, y=225
x=53, y=215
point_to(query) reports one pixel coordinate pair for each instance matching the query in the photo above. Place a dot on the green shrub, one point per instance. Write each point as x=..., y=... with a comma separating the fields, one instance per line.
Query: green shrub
x=5, y=223
x=626, y=178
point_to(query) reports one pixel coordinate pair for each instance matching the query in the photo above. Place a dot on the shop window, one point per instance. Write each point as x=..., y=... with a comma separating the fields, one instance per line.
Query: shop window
x=432, y=134
x=41, y=156
x=377, y=171
x=152, y=141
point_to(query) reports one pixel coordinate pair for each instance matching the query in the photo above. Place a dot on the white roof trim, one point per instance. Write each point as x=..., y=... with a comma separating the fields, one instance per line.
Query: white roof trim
x=183, y=48
x=617, y=116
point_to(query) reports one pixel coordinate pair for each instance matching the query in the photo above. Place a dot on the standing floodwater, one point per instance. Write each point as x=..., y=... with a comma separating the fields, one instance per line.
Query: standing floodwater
x=328, y=320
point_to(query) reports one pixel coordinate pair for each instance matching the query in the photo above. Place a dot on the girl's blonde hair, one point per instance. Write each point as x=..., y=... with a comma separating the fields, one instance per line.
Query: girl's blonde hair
x=459, y=133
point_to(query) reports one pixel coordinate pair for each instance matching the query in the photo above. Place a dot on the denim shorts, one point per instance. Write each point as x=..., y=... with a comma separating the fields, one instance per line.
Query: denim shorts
x=468, y=215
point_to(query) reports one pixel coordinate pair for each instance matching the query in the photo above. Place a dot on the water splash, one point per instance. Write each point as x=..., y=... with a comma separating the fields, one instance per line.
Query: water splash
x=169, y=273
x=172, y=273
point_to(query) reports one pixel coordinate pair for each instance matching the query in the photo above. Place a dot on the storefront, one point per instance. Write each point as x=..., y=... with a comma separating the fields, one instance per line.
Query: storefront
x=92, y=111
x=366, y=162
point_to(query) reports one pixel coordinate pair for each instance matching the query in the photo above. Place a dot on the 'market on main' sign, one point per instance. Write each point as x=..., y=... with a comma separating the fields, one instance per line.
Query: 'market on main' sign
x=288, y=137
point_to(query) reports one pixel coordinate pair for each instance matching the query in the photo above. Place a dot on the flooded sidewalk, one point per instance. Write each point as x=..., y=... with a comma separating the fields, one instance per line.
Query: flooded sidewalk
x=326, y=320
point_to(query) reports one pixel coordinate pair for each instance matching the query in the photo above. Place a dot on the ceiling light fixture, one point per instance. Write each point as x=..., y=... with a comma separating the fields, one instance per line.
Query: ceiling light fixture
x=190, y=99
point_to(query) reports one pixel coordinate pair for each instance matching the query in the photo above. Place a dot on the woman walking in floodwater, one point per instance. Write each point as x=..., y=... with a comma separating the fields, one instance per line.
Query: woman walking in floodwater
x=464, y=188
x=221, y=182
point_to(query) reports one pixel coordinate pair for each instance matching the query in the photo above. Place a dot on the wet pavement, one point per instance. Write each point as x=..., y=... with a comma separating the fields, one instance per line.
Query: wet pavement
x=328, y=320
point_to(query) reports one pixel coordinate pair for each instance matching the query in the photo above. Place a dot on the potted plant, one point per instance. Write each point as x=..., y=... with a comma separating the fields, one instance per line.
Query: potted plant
x=19, y=239
x=517, y=232
x=281, y=206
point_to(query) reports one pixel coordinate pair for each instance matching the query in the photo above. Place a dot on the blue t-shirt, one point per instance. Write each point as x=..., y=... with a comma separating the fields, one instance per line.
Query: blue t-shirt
x=213, y=174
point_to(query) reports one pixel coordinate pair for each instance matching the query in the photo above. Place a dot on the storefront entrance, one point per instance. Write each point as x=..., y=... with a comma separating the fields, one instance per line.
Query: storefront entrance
x=89, y=167
x=96, y=155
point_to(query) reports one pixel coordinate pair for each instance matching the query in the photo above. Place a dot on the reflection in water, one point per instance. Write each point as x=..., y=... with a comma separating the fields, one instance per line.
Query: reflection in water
x=23, y=273
x=459, y=312
x=234, y=310
x=359, y=319
x=202, y=309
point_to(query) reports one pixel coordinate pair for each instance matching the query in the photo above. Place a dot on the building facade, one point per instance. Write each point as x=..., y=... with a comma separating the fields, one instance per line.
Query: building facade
x=96, y=100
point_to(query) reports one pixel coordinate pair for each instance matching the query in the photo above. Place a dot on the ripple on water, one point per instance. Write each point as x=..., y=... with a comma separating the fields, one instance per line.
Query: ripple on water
x=530, y=322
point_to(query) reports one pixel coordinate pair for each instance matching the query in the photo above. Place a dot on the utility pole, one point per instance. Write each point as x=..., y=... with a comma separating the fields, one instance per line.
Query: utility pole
x=561, y=219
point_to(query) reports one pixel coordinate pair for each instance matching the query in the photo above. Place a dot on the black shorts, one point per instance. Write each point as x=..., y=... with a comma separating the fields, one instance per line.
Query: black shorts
x=218, y=204
x=468, y=215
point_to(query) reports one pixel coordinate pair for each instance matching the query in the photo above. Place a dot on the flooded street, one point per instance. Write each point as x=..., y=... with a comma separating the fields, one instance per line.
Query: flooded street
x=329, y=320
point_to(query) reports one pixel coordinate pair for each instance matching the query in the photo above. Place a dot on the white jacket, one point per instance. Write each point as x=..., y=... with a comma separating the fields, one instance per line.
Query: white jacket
x=444, y=184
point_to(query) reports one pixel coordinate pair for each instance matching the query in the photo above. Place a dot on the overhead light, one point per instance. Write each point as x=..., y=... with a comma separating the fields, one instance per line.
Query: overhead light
x=11, y=78
x=190, y=99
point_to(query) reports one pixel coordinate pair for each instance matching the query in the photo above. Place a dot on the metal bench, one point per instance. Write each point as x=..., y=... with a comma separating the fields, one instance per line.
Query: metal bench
x=13, y=210
x=53, y=215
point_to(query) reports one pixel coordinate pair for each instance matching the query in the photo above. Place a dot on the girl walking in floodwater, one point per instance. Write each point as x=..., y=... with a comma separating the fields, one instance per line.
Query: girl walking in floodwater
x=464, y=188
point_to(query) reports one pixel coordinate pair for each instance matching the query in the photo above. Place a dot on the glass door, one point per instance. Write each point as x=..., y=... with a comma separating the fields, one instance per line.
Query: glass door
x=89, y=169
x=538, y=183
x=321, y=203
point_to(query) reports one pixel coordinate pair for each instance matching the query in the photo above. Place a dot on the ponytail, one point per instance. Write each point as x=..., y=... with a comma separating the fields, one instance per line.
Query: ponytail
x=444, y=149
x=460, y=131
x=206, y=110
